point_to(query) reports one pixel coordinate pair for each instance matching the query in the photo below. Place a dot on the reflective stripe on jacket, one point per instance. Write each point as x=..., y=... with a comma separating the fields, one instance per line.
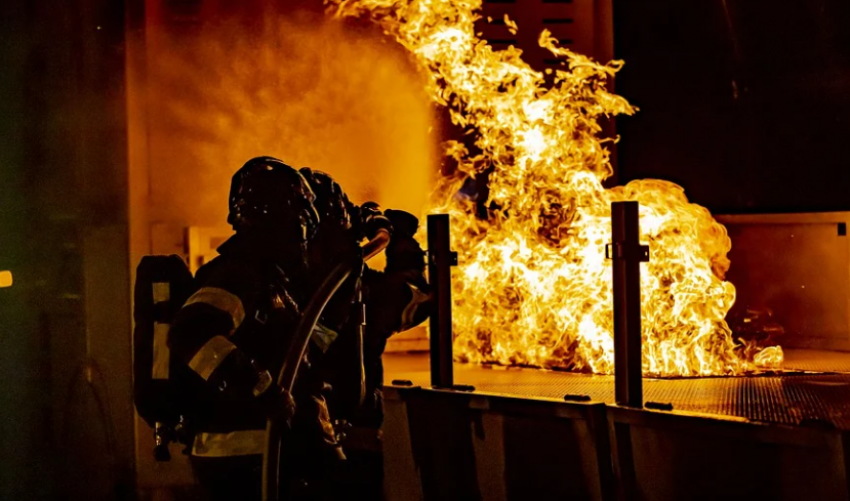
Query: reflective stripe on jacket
x=235, y=443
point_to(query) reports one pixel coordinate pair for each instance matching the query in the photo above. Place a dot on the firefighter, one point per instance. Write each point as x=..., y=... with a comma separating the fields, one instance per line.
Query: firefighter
x=396, y=299
x=232, y=333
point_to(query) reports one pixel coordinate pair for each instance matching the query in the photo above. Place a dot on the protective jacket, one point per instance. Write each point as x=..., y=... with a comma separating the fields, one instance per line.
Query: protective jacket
x=232, y=335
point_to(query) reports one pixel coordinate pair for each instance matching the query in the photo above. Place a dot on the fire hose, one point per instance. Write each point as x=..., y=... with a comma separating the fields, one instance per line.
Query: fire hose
x=300, y=340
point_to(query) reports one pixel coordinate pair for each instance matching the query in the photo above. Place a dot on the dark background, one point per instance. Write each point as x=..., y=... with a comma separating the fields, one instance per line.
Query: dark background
x=745, y=103
x=65, y=421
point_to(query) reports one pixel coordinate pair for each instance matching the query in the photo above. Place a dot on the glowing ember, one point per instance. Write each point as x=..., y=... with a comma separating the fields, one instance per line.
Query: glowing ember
x=533, y=286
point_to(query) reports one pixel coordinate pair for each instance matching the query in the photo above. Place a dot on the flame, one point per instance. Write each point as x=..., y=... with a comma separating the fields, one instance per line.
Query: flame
x=533, y=286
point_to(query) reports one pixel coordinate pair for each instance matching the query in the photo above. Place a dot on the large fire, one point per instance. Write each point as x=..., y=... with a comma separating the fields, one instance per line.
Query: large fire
x=533, y=286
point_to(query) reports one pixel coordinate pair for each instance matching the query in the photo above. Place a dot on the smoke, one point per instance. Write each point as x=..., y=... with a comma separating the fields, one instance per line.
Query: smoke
x=310, y=91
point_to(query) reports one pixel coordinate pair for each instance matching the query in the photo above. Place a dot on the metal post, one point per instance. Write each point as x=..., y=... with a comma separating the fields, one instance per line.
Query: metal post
x=627, y=253
x=440, y=260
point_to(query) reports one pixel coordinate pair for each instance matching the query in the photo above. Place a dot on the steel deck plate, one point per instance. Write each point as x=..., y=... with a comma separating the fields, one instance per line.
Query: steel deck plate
x=799, y=399
x=817, y=360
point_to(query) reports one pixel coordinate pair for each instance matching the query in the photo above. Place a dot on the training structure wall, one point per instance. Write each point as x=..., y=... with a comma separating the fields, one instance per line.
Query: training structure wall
x=450, y=445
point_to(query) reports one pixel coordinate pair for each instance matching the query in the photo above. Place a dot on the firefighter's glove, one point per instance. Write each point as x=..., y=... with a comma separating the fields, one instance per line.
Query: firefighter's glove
x=404, y=223
x=277, y=403
x=404, y=254
x=373, y=220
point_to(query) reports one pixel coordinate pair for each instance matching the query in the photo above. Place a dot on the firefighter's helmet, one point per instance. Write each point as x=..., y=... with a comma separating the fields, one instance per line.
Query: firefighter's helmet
x=332, y=203
x=267, y=195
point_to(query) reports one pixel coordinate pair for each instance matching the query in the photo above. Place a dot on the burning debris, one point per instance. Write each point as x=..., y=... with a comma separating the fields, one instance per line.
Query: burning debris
x=533, y=286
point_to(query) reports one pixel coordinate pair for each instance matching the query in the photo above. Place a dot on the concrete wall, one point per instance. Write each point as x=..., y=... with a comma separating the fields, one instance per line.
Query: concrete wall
x=66, y=427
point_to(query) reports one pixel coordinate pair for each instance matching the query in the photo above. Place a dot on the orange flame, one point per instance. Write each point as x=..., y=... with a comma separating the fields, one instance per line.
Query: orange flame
x=533, y=286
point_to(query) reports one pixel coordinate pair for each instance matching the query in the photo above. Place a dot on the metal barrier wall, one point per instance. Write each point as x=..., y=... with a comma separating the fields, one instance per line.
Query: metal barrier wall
x=451, y=445
x=669, y=456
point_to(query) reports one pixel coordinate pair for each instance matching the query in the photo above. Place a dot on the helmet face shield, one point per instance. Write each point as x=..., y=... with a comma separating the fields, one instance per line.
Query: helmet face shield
x=268, y=196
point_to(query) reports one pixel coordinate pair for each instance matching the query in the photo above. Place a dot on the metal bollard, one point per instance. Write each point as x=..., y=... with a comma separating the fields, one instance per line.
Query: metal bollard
x=627, y=253
x=440, y=262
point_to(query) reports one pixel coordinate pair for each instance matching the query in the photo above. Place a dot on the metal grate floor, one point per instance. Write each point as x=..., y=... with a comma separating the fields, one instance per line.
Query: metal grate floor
x=793, y=399
x=817, y=360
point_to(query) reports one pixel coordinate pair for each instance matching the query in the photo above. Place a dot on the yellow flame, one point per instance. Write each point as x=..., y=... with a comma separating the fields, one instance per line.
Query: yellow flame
x=533, y=286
